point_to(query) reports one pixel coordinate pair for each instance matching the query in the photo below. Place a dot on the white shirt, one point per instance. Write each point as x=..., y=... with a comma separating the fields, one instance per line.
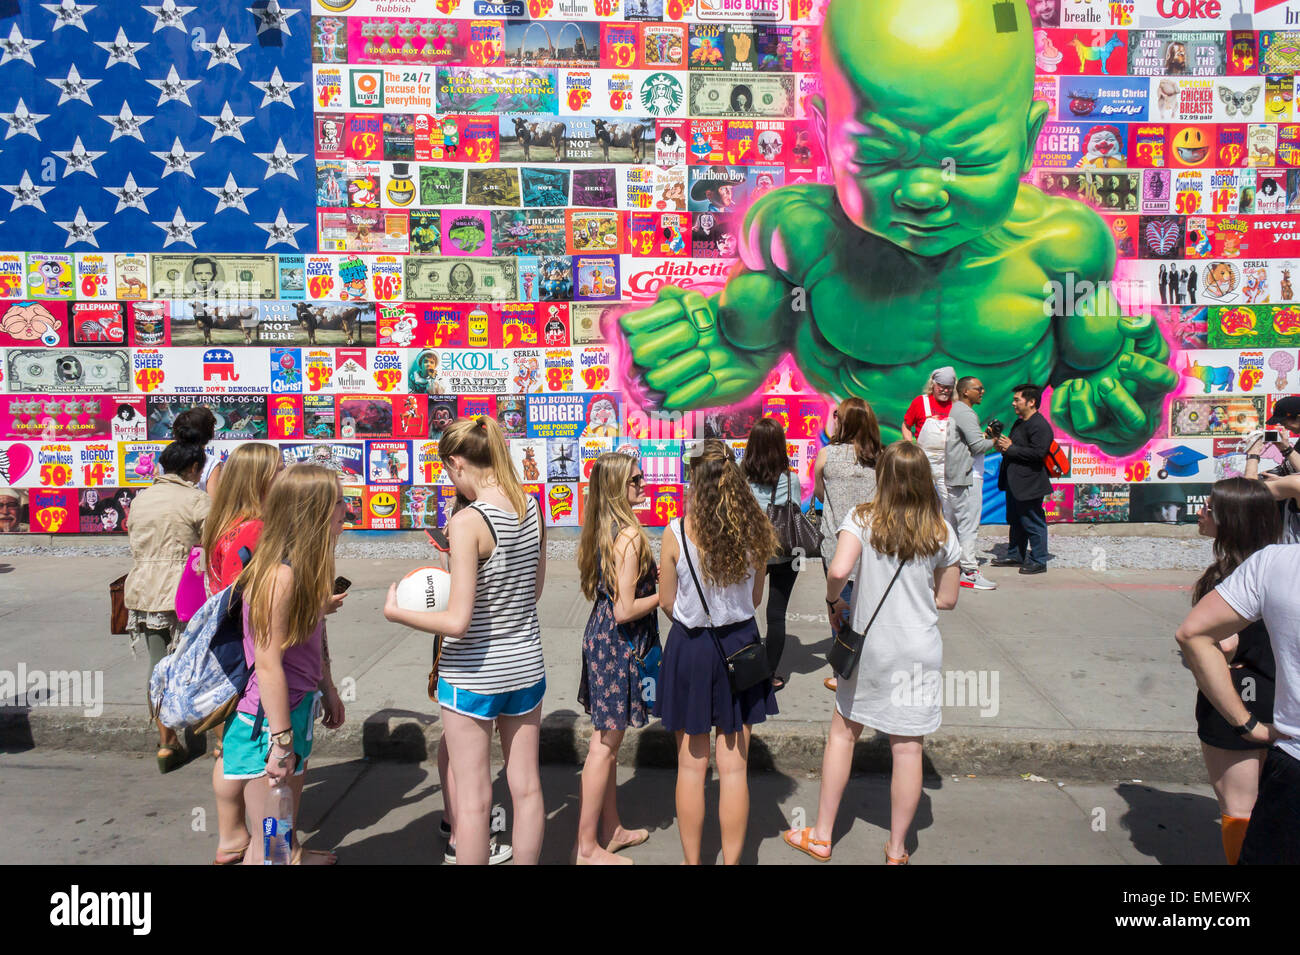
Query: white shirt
x=727, y=604
x=1279, y=607
x=911, y=605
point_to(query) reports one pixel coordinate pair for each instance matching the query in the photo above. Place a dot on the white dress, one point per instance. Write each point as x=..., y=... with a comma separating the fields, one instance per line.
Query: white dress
x=897, y=686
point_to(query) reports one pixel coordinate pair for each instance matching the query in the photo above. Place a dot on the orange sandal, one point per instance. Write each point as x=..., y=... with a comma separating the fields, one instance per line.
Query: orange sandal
x=890, y=860
x=803, y=841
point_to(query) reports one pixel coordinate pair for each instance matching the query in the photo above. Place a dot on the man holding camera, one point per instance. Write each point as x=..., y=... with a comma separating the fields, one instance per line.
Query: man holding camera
x=1023, y=475
x=964, y=476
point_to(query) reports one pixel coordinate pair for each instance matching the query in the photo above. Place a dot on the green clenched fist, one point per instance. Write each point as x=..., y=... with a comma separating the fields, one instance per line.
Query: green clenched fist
x=1118, y=407
x=679, y=355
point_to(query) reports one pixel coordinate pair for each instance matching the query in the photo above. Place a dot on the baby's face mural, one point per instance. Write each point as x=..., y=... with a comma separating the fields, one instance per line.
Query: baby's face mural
x=927, y=172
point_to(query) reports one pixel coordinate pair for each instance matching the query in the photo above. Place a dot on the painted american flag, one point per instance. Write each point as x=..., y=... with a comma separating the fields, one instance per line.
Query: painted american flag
x=144, y=126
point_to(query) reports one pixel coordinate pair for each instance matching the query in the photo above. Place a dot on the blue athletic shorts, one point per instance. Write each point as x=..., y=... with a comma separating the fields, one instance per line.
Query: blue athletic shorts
x=488, y=706
x=245, y=758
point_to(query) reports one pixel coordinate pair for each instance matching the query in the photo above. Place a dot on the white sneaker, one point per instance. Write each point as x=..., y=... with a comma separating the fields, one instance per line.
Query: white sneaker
x=497, y=853
x=977, y=581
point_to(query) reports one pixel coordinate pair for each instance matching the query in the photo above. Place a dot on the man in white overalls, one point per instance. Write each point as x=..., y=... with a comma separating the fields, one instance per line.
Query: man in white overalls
x=926, y=422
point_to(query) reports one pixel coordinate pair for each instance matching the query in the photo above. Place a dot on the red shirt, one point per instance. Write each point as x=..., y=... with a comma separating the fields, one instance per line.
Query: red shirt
x=915, y=416
x=225, y=562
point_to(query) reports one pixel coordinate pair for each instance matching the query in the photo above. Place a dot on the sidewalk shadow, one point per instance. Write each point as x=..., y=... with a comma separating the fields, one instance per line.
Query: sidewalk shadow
x=647, y=800
x=1172, y=828
x=867, y=795
x=399, y=785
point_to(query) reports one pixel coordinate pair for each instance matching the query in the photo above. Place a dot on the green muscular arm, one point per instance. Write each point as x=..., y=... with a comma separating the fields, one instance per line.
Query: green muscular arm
x=697, y=352
x=1112, y=371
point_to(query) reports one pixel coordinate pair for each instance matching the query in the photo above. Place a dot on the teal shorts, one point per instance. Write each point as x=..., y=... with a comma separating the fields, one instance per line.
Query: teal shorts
x=245, y=758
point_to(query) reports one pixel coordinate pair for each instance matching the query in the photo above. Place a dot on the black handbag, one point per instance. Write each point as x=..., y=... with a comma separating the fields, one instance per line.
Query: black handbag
x=795, y=533
x=846, y=645
x=747, y=667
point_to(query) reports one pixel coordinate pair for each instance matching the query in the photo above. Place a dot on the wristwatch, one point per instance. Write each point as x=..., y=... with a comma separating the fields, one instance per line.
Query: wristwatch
x=1245, y=728
x=283, y=739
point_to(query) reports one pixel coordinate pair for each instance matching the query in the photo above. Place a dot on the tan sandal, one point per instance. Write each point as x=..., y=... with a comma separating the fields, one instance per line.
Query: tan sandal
x=831, y=684
x=233, y=856
x=803, y=841
x=890, y=860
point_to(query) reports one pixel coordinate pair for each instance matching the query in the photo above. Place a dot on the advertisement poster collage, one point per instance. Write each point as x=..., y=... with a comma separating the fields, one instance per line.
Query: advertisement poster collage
x=343, y=224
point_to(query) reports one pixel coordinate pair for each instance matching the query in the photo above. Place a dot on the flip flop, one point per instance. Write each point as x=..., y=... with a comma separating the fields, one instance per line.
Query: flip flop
x=628, y=845
x=803, y=841
x=233, y=856
x=831, y=684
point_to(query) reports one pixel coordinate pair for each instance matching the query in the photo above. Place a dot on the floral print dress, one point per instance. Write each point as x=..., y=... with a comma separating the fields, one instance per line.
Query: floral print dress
x=610, y=687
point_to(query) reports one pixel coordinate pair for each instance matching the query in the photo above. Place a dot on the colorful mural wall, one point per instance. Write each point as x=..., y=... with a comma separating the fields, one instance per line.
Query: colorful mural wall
x=341, y=225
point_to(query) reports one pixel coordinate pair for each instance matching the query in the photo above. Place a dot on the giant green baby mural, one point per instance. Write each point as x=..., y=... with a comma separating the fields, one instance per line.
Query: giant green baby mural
x=927, y=249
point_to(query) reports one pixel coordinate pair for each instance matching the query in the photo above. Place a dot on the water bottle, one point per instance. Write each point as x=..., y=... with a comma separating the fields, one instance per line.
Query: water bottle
x=277, y=827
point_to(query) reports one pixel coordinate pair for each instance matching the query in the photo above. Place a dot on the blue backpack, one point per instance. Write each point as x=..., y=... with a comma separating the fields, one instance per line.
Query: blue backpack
x=200, y=683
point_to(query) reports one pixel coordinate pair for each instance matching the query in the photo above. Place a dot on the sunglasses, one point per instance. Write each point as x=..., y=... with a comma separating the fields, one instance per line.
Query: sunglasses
x=637, y=481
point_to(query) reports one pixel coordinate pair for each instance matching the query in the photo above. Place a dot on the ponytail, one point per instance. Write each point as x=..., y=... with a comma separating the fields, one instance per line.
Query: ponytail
x=479, y=441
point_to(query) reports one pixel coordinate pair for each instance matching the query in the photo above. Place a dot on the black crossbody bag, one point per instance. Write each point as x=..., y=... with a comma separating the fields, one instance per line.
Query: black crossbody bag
x=747, y=667
x=846, y=647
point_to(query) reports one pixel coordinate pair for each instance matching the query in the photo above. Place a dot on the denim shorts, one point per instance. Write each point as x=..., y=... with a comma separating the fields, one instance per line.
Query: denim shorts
x=245, y=758
x=488, y=706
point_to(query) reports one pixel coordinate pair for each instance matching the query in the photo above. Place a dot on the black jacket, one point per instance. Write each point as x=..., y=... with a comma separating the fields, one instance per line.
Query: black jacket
x=1022, y=472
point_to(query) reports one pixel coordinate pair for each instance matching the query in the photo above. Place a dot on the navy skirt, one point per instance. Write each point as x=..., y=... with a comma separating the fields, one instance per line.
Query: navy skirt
x=694, y=695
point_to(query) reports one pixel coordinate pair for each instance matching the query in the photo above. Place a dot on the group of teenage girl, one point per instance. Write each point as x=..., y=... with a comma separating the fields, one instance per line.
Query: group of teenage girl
x=273, y=532
x=891, y=561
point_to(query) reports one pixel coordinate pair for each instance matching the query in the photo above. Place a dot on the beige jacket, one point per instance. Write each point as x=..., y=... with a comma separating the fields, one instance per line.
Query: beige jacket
x=165, y=524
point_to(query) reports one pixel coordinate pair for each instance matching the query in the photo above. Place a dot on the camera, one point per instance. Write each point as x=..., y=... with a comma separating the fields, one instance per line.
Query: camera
x=994, y=428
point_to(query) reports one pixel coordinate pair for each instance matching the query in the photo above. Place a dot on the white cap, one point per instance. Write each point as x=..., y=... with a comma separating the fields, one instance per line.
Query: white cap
x=945, y=376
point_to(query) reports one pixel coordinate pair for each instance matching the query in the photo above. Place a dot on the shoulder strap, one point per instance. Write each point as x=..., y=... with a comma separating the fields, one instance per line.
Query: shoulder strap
x=686, y=549
x=788, y=493
x=488, y=520
x=771, y=501
x=867, y=628
x=925, y=403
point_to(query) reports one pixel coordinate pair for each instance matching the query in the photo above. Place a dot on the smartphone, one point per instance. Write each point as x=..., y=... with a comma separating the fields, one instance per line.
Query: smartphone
x=341, y=584
x=438, y=538
x=1272, y=436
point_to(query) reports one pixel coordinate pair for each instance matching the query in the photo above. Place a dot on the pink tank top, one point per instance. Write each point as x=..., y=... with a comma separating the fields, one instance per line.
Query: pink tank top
x=302, y=668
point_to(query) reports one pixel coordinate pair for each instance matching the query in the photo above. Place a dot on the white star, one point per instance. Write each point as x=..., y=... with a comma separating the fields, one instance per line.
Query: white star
x=78, y=159
x=129, y=195
x=169, y=15
x=276, y=89
x=120, y=49
x=68, y=14
x=126, y=123
x=224, y=53
x=271, y=17
x=80, y=229
x=174, y=88
x=227, y=124
x=179, y=229
x=280, y=162
x=73, y=87
x=281, y=230
x=27, y=193
x=231, y=195
x=22, y=122
x=177, y=159
x=17, y=47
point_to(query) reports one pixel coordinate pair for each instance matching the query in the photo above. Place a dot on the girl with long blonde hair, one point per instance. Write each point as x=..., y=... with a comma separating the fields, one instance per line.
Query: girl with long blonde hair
x=618, y=573
x=229, y=538
x=491, y=668
x=235, y=522
x=287, y=591
x=713, y=565
x=908, y=562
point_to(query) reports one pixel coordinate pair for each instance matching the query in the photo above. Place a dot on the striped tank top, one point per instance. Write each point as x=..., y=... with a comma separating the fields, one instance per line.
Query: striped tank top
x=502, y=650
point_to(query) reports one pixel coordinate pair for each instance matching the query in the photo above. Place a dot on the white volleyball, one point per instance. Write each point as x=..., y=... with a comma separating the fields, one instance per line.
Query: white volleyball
x=428, y=588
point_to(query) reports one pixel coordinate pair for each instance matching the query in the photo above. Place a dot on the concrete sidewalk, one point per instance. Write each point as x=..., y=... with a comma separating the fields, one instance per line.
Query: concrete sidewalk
x=1079, y=671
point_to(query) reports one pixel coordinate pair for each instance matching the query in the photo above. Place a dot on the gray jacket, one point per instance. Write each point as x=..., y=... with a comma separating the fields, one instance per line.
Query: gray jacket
x=965, y=440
